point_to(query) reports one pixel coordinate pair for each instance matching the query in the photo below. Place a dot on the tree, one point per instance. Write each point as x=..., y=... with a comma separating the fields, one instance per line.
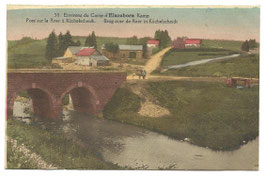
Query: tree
x=132, y=40
x=61, y=44
x=112, y=47
x=245, y=46
x=252, y=44
x=91, y=40
x=179, y=43
x=64, y=41
x=51, y=46
x=163, y=37
x=78, y=43
x=67, y=40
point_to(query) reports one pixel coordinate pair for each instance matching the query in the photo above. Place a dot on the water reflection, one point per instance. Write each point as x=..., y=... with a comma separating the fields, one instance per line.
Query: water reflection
x=137, y=148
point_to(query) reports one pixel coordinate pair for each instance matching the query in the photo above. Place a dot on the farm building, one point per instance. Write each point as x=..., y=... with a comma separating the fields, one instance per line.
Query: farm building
x=100, y=60
x=193, y=42
x=153, y=43
x=131, y=51
x=125, y=52
x=90, y=57
x=71, y=51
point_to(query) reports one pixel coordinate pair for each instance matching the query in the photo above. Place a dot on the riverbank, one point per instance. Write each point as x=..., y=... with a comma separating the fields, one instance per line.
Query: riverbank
x=206, y=114
x=53, y=148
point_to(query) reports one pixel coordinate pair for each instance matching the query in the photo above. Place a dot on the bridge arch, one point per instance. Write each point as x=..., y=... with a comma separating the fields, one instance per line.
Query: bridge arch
x=42, y=100
x=84, y=97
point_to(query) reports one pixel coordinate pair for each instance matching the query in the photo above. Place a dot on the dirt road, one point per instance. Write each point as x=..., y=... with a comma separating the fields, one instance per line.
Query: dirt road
x=155, y=61
x=151, y=64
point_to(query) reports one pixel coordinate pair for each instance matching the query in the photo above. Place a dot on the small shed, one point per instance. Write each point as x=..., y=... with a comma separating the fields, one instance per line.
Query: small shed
x=99, y=60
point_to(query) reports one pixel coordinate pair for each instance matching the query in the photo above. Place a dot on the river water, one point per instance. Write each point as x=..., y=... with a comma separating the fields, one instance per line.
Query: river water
x=203, y=61
x=137, y=148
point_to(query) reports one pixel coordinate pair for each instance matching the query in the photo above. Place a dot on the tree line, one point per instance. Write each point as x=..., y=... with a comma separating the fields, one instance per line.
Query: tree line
x=57, y=45
x=249, y=44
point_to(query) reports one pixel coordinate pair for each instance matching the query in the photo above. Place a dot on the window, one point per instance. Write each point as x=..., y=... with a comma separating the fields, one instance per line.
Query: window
x=132, y=55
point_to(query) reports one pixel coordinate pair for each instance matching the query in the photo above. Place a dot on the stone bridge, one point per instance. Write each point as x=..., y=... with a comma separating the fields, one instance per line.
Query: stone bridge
x=90, y=91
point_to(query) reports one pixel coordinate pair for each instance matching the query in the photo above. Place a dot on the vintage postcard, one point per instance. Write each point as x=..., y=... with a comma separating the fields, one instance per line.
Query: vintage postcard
x=132, y=87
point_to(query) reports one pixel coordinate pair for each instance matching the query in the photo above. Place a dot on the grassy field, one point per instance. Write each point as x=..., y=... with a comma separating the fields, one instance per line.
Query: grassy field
x=181, y=56
x=210, y=114
x=242, y=66
x=54, y=148
x=223, y=44
x=29, y=53
x=208, y=49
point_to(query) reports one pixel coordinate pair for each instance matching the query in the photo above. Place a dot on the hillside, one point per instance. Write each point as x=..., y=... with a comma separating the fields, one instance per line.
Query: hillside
x=30, y=53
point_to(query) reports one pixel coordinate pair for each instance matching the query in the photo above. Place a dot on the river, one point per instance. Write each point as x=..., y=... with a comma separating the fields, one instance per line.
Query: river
x=203, y=61
x=137, y=148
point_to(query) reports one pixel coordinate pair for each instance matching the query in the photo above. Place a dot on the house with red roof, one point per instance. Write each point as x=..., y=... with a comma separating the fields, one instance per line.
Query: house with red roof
x=82, y=56
x=91, y=57
x=193, y=43
x=153, y=43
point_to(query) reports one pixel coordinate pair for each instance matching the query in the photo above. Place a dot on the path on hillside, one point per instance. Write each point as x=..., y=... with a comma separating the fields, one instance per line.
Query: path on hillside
x=155, y=61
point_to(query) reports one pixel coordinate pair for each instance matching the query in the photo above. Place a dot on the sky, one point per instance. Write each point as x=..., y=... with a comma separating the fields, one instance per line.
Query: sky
x=205, y=23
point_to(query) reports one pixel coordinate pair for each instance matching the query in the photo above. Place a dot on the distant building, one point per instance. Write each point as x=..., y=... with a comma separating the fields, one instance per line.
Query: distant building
x=71, y=51
x=131, y=51
x=82, y=56
x=91, y=57
x=100, y=60
x=153, y=43
x=192, y=42
x=125, y=52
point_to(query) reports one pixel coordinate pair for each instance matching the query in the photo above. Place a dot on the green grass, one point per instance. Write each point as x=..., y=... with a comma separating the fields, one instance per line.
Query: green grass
x=27, y=55
x=223, y=44
x=17, y=160
x=210, y=114
x=242, y=66
x=55, y=148
x=182, y=56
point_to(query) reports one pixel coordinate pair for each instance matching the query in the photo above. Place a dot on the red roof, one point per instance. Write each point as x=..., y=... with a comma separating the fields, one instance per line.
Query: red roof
x=86, y=52
x=156, y=42
x=193, y=41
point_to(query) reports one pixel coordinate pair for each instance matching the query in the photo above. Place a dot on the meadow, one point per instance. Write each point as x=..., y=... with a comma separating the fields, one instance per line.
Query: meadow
x=245, y=65
x=242, y=66
x=210, y=114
